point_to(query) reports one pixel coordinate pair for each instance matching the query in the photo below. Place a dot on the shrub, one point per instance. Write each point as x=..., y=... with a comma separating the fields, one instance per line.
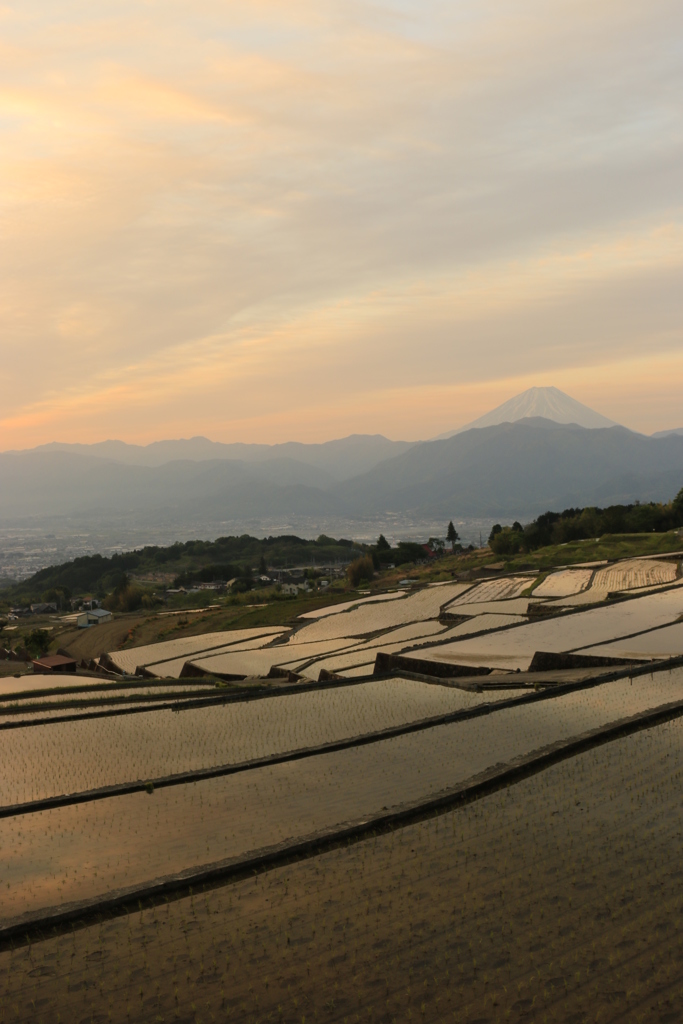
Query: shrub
x=125, y=599
x=361, y=569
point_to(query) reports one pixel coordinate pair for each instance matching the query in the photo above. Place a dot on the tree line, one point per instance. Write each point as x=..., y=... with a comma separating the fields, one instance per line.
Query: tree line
x=584, y=523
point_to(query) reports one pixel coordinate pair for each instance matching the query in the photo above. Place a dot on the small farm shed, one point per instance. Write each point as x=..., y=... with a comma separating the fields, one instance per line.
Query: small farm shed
x=54, y=663
x=93, y=617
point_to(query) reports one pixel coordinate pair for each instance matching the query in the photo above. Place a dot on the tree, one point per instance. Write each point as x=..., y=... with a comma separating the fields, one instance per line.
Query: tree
x=60, y=596
x=452, y=535
x=495, y=530
x=37, y=642
x=361, y=569
x=383, y=543
x=262, y=568
x=677, y=508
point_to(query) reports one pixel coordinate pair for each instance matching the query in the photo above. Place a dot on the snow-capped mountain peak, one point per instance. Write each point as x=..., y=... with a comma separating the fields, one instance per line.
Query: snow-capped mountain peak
x=550, y=403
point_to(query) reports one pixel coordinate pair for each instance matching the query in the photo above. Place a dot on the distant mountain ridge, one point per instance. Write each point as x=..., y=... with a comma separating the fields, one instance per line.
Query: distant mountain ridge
x=523, y=468
x=668, y=433
x=511, y=462
x=510, y=469
x=339, y=458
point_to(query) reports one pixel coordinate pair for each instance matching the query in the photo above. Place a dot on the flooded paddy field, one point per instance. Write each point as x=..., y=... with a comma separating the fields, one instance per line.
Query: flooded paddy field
x=554, y=899
x=84, y=851
x=174, y=666
x=514, y=606
x=515, y=648
x=128, y=660
x=343, y=606
x=69, y=757
x=657, y=643
x=259, y=663
x=557, y=899
x=418, y=607
x=105, y=693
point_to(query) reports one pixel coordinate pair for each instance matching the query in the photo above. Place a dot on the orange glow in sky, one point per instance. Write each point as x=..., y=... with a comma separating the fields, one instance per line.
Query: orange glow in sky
x=265, y=222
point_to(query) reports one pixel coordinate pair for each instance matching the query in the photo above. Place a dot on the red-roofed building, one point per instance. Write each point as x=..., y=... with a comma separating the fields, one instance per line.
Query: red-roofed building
x=54, y=663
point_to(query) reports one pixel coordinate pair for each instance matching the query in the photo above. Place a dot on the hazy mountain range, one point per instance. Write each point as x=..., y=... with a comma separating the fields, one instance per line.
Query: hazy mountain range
x=540, y=450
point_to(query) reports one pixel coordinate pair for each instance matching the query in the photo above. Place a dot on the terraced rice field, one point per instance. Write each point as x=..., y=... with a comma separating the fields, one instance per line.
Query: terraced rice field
x=334, y=609
x=392, y=641
x=82, y=851
x=592, y=595
x=495, y=590
x=73, y=756
x=355, y=672
x=418, y=607
x=259, y=663
x=172, y=669
x=10, y=721
x=555, y=899
x=657, y=643
x=183, y=647
x=402, y=634
x=480, y=623
x=27, y=683
x=637, y=572
x=92, y=696
x=511, y=606
x=546, y=900
x=564, y=583
x=514, y=648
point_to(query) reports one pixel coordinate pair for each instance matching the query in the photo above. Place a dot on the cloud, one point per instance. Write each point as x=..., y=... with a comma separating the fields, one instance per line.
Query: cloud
x=216, y=211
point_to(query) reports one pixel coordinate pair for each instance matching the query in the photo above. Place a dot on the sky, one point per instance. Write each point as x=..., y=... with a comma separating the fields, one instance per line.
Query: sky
x=263, y=221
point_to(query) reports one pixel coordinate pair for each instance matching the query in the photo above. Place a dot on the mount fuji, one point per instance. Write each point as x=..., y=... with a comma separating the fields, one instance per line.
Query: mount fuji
x=549, y=403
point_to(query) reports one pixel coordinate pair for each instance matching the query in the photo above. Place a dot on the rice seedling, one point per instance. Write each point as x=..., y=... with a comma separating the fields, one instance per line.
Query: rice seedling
x=633, y=573
x=84, y=850
x=68, y=757
x=556, y=899
x=564, y=583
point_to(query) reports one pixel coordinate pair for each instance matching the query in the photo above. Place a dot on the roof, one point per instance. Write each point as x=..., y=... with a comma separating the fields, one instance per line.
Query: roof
x=99, y=612
x=53, y=661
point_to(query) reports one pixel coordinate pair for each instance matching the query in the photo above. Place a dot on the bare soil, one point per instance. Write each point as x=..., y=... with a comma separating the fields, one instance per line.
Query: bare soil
x=558, y=899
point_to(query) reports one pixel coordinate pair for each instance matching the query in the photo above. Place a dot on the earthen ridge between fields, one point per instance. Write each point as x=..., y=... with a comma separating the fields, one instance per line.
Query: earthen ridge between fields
x=364, y=739
x=33, y=927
